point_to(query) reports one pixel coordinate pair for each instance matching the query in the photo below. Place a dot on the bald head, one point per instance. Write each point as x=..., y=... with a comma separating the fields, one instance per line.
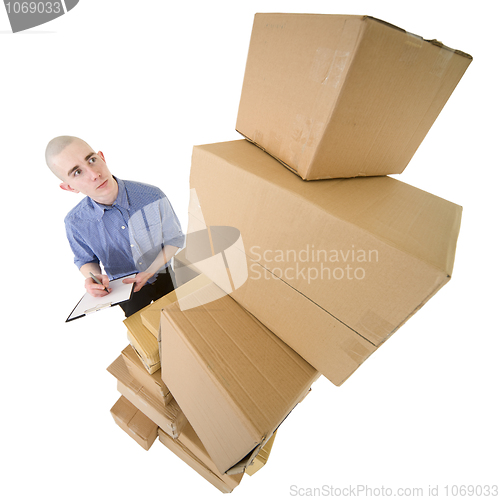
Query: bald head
x=56, y=146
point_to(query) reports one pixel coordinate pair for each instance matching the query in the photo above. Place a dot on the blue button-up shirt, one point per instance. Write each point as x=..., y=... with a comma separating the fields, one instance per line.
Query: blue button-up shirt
x=128, y=235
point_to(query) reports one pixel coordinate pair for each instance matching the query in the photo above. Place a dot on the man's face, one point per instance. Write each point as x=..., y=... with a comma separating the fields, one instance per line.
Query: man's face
x=84, y=171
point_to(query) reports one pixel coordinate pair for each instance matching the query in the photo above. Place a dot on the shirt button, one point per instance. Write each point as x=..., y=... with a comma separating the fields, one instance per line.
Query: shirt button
x=132, y=246
x=123, y=227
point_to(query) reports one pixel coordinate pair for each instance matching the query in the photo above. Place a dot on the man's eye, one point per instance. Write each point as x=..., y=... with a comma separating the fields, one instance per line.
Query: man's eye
x=77, y=172
x=93, y=159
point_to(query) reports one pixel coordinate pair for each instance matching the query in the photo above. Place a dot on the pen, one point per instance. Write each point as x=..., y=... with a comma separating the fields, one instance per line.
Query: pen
x=97, y=281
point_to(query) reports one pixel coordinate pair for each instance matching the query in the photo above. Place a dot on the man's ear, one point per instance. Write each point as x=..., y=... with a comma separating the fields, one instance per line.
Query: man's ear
x=67, y=187
x=101, y=155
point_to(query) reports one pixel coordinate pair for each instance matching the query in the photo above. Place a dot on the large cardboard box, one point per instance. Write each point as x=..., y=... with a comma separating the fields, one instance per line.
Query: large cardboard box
x=168, y=417
x=139, y=427
x=334, y=267
x=234, y=379
x=343, y=96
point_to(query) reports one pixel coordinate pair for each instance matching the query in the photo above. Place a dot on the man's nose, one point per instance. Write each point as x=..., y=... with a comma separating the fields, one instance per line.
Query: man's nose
x=94, y=173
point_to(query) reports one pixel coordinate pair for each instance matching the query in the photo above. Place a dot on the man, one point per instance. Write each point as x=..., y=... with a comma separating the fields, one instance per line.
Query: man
x=125, y=226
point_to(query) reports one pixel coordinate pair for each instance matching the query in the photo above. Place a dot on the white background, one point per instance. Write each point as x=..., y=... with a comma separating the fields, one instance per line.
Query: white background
x=144, y=82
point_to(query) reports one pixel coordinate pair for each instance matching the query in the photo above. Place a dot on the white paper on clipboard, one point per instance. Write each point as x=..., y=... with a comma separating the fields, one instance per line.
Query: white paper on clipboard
x=120, y=293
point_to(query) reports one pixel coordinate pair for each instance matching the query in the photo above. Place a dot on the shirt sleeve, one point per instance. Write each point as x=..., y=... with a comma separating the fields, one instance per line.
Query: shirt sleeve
x=82, y=252
x=171, y=227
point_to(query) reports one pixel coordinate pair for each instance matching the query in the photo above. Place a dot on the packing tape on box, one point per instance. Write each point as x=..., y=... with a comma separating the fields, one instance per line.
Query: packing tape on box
x=355, y=350
x=374, y=328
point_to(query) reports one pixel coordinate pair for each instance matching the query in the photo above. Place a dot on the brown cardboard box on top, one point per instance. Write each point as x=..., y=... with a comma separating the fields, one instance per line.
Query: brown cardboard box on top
x=139, y=427
x=342, y=96
x=234, y=379
x=335, y=267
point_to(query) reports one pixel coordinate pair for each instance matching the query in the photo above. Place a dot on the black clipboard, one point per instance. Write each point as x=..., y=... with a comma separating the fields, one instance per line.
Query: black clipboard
x=120, y=292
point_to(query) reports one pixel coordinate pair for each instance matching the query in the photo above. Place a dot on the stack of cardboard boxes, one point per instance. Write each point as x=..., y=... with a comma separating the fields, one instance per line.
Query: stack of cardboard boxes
x=301, y=278
x=233, y=378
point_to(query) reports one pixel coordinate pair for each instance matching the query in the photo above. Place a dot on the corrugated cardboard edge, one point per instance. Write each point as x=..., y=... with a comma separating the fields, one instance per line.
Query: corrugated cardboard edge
x=195, y=463
x=433, y=41
x=169, y=417
x=172, y=425
x=135, y=364
x=190, y=440
x=151, y=361
x=262, y=457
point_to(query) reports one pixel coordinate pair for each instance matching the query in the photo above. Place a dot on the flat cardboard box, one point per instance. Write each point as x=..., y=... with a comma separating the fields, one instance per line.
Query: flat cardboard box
x=152, y=383
x=143, y=341
x=139, y=427
x=168, y=417
x=335, y=267
x=233, y=378
x=343, y=96
x=194, y=454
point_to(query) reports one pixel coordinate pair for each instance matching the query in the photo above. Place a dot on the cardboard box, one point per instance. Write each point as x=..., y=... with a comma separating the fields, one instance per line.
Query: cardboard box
x=139, y=427
x=144, y=342
x=343, y=96
x=335, y=267
x=152, y=383
x=168, y=417
x=233, y=378
x=193, y=453
x=150, y=316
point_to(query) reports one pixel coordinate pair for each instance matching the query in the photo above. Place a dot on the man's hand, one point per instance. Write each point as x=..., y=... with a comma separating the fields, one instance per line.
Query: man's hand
x=140, y=280
x=94, y=288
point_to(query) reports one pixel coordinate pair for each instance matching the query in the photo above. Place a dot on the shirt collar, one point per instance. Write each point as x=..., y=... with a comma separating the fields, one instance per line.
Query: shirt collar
x=121, y=201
